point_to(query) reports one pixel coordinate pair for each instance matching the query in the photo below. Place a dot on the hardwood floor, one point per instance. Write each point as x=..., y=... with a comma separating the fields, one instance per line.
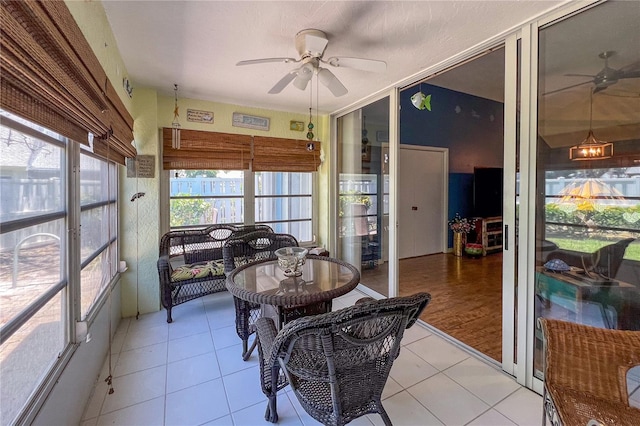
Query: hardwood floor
x=466, y=296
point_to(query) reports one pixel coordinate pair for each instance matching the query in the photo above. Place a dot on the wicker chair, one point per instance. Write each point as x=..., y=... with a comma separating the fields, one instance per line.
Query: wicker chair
x=243, y=249
x=337, y=363
x=605, y=261
x=585, y=374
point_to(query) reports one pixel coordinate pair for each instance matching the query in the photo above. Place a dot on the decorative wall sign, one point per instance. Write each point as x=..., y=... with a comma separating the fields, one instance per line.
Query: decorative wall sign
x=198, y=116
x=298, y=126
x=144, y=165
x=250, y=121
x=382, y=136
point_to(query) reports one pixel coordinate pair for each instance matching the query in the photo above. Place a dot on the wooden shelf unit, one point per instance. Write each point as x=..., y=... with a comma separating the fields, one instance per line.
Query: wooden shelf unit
x=491, y=234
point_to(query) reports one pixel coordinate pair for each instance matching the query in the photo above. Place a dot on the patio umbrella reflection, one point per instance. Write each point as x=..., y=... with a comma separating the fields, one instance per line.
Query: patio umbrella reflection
x=590, y=193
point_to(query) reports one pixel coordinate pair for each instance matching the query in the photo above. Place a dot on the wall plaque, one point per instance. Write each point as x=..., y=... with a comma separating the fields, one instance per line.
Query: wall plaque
x=250, y=121
x=198, y=116
x=144, y=165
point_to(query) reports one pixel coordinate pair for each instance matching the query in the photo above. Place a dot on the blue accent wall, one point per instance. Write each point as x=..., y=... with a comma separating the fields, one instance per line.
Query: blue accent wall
x=470, y=126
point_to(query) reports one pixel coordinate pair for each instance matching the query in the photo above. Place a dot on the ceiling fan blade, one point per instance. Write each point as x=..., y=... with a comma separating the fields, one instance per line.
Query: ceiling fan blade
x=284, y=82
x=599, y=89
x=580, y=75
x=266, y=60
x=631, y=74
x=327, y=78
x=358, y=63
x=566, y=88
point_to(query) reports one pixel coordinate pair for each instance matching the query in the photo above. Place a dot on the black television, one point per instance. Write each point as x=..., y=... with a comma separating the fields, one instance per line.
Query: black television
x=487, y=191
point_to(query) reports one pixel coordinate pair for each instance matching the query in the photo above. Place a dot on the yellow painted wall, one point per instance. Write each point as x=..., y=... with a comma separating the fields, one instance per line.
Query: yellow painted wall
x=140, y=220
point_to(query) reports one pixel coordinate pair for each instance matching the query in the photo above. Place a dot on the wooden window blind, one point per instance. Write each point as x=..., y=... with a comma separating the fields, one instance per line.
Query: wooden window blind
x=50, y=75
x=206, y=150
x=284, y=155
x=224, y=151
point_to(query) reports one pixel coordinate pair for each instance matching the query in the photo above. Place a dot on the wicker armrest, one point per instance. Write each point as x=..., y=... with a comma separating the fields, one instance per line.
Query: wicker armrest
x=365, y=300
x=266, y=329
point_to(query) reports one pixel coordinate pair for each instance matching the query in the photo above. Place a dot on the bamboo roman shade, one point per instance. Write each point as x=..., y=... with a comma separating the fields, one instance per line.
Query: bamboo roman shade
x=206, y=150
x=225, y=151
x=50, y=75
x=284, y=155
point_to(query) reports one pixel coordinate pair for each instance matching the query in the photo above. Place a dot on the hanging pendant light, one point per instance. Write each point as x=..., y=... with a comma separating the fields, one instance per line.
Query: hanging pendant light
x=175, y=125
x=591, y=148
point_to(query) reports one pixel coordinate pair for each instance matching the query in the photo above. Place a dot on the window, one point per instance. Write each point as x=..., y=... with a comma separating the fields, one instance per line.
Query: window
x=282, y=200
x=39, y=204
x=98, y=225
x=204, y=197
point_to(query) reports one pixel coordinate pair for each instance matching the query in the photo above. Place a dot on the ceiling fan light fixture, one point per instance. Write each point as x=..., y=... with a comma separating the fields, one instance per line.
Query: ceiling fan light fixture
x=591, y=149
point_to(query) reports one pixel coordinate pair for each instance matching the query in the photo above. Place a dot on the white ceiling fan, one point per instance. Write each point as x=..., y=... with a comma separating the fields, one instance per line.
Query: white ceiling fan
x=311, y=45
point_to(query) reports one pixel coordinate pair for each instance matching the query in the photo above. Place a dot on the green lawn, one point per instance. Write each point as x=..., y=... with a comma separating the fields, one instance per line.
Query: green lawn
x=590, y=245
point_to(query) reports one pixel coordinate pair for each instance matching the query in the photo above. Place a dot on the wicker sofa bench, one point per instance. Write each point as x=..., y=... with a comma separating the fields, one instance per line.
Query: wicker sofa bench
x=190, y=264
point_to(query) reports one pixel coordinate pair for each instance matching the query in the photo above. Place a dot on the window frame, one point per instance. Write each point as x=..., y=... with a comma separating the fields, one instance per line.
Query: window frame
x=250, y=199
x=68, y=288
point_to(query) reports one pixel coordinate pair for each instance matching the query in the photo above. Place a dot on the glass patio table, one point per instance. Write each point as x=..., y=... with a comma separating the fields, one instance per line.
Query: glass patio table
x=322, y=280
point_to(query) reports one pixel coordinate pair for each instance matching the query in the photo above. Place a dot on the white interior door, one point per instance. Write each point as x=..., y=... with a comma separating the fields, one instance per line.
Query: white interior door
x=422, y=199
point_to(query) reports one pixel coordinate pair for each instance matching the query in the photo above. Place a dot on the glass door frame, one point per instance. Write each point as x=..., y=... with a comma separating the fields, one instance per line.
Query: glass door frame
x=524, y=371
x=392, y=94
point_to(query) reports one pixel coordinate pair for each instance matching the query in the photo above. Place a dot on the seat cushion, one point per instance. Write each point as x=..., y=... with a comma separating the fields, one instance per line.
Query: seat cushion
x=197, y=270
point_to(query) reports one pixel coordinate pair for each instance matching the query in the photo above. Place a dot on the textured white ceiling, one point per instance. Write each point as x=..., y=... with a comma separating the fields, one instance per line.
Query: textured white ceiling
x=196, y=44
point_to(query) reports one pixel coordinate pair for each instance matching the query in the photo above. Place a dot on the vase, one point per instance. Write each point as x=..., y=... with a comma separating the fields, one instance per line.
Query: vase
x=458, y=243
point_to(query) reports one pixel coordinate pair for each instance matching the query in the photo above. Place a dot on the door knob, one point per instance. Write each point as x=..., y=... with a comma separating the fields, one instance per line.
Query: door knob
x=414, y=207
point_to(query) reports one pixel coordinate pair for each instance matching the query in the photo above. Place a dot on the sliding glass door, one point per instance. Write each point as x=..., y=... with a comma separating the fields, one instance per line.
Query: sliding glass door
x=363, y=193
x=587, y=172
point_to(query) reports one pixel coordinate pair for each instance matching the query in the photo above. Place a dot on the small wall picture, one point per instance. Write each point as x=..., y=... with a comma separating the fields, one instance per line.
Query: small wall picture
x=297, y=126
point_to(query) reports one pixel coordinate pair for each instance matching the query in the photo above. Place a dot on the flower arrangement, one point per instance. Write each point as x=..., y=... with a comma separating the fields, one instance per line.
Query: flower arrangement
x=461, y=225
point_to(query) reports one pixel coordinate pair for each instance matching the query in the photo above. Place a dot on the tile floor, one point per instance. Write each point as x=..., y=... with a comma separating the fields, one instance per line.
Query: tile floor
x=190, y=372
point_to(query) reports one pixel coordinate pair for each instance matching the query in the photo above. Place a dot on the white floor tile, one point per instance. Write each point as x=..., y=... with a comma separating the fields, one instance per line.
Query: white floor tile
x=523, y=407
x=190, y=346
x=415, y=333
x=484, y=381
x=447, y=400
x=221, y=319
x=404, y=409
x=139, y=338
x=195, y=325
x=141, y=359
x=305, y=418
x=243, y=389
x=197, y=404
x=94, y=405
x=254, y=415
x=90, y=422
x=391, y=388
x=192, y=371
x=227, y=336
x=491, y=418
x=200, y=378
x=350, y=298
x=118, y=340
x=230, y=360
x=149, y=413
x=152, y=319
x=135, y=388
x=222, y=421
x=437, y=352
x=409, y=369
